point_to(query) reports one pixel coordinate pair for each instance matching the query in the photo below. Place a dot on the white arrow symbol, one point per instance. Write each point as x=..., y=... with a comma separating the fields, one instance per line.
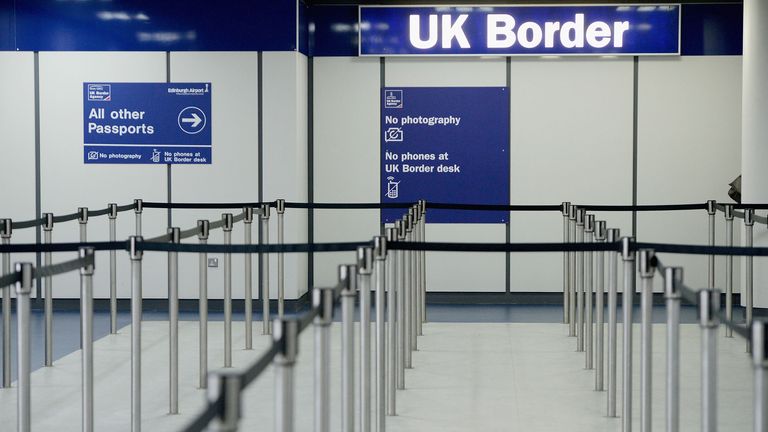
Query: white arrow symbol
x=195, y=120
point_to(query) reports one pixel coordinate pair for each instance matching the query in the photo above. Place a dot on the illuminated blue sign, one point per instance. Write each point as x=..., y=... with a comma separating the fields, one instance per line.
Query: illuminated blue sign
x=520, y=30
x=147, y=123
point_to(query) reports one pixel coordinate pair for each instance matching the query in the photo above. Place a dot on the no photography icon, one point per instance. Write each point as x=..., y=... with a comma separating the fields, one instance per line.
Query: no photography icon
x=192, y=120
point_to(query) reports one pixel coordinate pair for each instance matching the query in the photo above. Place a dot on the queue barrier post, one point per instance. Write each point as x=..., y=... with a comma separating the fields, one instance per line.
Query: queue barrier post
x=364, y=273
x=225, y=385
x=613, y=281
x=628, y=256
x=286, y=335
x=759, y=333
x=400, y=307
x=248, y=233
x=580, y=217
x=600, y=237
x=82, y=221
x=204, y=229
x=572, y=210
x=647, y=269
x=264, y=218
x=23, y=352
x=566, y=277
x=322, y=299
x=348, y=282
x=728, y=212
x=280, y=209
x=112, y=269
x=227, y=228
x=48, y=294
x=749, y=222
x=589, y=234
x=173, y=321
x=392, y=343
x=711, y=210
x=380, y=369
x=673, y=278
x=86, y=325
x=136, y=254
x=138, y=209
x=709, y=305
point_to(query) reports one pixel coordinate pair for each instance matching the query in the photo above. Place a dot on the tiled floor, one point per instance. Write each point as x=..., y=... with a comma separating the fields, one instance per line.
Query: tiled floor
x=466, y=377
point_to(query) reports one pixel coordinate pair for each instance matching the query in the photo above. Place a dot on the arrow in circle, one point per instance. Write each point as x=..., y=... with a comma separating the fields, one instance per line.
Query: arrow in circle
x=195, y=120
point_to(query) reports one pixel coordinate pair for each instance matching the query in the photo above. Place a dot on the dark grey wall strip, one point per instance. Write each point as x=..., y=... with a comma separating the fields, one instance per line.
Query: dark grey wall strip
x=38, y=184
x=169, y=177
x=382, y=84
x=508, y=238
x=310, y=168
x=260, y=144
x=634, y=142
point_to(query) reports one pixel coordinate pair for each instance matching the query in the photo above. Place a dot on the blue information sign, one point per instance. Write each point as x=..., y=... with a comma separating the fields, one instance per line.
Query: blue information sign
x=448, y=145
x=147, y=123
x=520, y=30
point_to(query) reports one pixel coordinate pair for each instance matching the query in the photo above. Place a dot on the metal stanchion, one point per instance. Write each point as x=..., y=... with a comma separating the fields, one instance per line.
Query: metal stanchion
x=749, y=222
x=204, y=228
x=572, y=271
x=364, y=272
x=711, y=210
x=82, y=220
x=760, y=365
x=112, y=270
x=589, y=233
x=322, y=299
x=600, y=234
x=227, y=218
x=673, y=277
x=412, y=286
x=400, y=306
x=423, y=266
x=48, y=294
x=264, y=217
x=86, y=324
x=138, y=208
x=173, y=322
x=628, y=256
x=646, y=268
x=24, y=357
x=728, y=211
x=406, y=291
x=709, y=305
x=225, y=385
x=417, y=268
x=348, y=282
x=566, y=277
x=580, y=216
x=136, y=308
x=280, y=208
x=5, y=237
x=391, y=282
x=248, y=225
x=612, y=237
x=286, y=334
x=380, y=280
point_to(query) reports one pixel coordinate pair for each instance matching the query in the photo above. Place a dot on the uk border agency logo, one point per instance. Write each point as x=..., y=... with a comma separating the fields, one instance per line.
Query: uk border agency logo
x=393, y=134
x=393, y=98
x=100, y=92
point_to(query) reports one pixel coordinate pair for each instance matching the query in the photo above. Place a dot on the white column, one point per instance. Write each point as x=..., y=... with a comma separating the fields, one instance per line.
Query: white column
x=754, y=128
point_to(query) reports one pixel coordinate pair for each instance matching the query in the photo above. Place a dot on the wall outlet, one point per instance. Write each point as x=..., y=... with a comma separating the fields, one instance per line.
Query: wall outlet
x=213, y=262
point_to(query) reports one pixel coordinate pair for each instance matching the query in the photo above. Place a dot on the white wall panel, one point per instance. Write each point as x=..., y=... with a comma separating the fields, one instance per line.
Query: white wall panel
x=17, y=154
x=346, y=143
x=285, y=157
x=233, y=175
x=571, y=140
x=455, y=271
x=68, y=183
x=689, y=149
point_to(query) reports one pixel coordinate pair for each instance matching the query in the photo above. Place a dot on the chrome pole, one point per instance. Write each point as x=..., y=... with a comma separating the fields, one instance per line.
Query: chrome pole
x=400, y=306
x=572, y=270
x=136, y=254
x=728, y=211
x=406, y=290
x=248, y=225
x=566, y=277
x=709, y=305
x=286, y=335
x=380, y=280
x=138, y=208
x=589, y=233
x=417, y=268
x=413, y=288
x=86, y=324
x=227, y=218
x=82, y=221
x=628, y=256
x=204, y=229
x=391, y=283
x=749, y=222
x=423, y=266
x=264, y=217
x=225, y=385
x=113, y=270
x=673, y=277
x=600, y=234
x=5, y=237
x=280, y=208
x=364, y=271
x=711, y=210
x=759, y=330
x=322, y=299
x=24, y=357
x=173, y=318
x=580, y=216
x=647, y=267
x=612, y=237
x=348, y=282
x=48, y=295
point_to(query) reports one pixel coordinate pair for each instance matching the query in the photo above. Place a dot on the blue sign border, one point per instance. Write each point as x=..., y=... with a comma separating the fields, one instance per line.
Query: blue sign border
x=502, y=53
